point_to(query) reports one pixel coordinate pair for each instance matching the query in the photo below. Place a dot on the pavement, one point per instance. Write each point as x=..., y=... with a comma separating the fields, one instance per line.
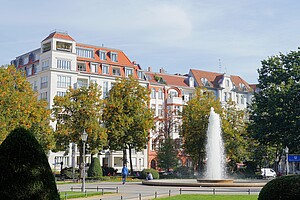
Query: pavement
x=136, y=190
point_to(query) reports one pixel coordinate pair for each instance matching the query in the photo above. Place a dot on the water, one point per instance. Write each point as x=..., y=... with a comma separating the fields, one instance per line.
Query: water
x=215, y=164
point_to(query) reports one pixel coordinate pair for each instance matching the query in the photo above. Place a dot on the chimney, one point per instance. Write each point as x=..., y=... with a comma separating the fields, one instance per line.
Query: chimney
x=149, y=69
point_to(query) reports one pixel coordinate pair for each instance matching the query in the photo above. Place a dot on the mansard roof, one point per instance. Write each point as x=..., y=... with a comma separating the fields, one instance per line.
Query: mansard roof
x=167, y=79
x=59, y=35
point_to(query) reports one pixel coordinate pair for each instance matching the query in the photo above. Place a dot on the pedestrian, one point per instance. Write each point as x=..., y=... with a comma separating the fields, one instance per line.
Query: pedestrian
x=149, y=176
x=124, y=173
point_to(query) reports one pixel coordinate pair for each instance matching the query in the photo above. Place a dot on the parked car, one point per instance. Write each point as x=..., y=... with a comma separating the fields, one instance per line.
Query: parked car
x=268, y=172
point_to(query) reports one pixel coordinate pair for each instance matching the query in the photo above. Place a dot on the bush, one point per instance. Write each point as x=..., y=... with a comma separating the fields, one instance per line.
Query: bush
x=284, y=188
x=24, y=169
x=95, y=170
x=154, y=173
x=109, y=171
x=67, y=173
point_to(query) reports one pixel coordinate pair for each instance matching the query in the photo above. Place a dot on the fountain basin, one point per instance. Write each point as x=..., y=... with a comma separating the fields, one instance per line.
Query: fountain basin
x=215, y=180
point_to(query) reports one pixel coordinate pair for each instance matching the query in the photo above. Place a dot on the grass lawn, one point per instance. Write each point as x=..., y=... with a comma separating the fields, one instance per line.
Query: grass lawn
x=73, y=195
x=210, y=197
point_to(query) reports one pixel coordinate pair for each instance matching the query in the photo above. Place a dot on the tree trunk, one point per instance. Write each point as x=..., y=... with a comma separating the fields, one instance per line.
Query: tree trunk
x=124, y=156
x=130, y=160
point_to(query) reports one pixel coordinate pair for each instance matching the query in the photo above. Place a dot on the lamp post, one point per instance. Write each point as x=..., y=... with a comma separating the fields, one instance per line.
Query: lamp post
x=84, y=139
x=287, y=159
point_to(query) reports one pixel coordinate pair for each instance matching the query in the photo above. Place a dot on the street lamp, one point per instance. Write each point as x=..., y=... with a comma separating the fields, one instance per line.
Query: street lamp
x=287, y=159
x=84, y=139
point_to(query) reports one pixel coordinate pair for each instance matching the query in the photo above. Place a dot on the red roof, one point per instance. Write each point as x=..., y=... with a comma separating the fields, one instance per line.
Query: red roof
x=59, y=35
x=167, y=79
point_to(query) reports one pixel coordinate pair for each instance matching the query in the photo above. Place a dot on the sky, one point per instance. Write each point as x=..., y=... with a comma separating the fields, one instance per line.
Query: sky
x=224, y=36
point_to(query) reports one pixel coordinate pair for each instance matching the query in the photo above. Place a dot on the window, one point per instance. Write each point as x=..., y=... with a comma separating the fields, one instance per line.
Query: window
x=64, y=64
x=116, y=71
x=25, y=60
x=177, y=109
x=82, y=82
x=160, y=94
x=43, y=95
x=225, y=96
x=242, y=99
x=35, y=86
x=63, y=81
x=44, y=82
x=85, y=53
x=153, y=93
x=114, y=56
x=227, y=83
x=105, y=89
x=153, y=109
x=81, y=67
x=46, y=47
x=205, y=81
x=63, y=46
x=102, y=55
x=160, y=110
x=45, y=64
x=173, y=94
x=105, y=69
x=128, y=71
x=28, y=70
x=237, y=99
x=94, y=67
x=141, y=75
x=35, y=67
x=61, y=94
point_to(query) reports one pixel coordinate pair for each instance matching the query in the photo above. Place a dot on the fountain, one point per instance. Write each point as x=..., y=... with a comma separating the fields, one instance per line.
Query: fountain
x=215, y=164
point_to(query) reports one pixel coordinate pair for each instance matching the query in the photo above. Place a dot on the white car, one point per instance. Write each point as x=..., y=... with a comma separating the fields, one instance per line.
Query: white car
x=268, y=172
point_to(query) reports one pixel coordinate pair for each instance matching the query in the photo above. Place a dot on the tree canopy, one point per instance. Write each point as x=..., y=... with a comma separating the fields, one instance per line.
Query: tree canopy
x=79, y=110
x=275, y=112
x=127, y=116
x=19, y=106
x=195, y=122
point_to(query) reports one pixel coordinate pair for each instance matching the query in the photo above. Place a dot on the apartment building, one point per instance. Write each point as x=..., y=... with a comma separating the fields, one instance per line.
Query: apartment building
x=61, y=62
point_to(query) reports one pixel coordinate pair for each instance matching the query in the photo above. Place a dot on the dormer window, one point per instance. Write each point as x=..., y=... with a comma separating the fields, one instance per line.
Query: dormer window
x=102, y=55
x=85, y=53
x=114, y=56
x=105, y=69
x=204, y=81
x=141, y=75
x=227, y=83
x=63, y=46
x=46, y=47
x=116, y=71
x=128, y=71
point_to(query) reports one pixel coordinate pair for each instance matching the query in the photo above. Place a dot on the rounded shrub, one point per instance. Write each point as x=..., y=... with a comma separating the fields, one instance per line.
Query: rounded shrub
x=24, y=169
x=95, y=170
x=283, y=188
x=154, y=173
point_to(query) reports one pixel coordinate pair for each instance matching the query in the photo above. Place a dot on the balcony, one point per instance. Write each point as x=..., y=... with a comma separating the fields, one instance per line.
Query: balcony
x=175, y=100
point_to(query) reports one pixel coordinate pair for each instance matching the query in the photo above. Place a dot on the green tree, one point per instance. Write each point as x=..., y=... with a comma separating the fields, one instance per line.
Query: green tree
x=79, y=110
x=127, y=116
x=19, y=106
x=275, y=111
x=24, y=169
x=167, y=155
x=238, y=143
x=95, y=169
x=195, y=122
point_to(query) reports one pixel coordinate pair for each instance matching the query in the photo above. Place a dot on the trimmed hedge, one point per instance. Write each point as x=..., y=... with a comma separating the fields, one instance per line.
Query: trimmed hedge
x=95, y=170
x=24, y=169
x=154, y=173
x=283, y=188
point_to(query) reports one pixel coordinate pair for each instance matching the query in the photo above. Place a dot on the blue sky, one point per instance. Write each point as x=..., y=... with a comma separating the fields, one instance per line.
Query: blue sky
x=176, y=35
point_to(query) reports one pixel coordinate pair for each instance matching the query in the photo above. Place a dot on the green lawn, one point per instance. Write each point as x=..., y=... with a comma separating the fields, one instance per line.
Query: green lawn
x=210, y=197
x=73, y=195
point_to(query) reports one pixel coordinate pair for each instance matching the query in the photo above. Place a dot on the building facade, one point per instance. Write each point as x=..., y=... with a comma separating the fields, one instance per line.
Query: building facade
x=61, y=62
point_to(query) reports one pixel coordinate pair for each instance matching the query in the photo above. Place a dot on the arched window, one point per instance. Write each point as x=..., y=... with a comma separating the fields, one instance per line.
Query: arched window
x=160, y=94
x=153, y=93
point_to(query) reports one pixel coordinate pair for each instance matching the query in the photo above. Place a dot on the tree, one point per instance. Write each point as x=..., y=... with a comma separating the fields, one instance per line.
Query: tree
x=79, y=110
x=167, y=155
x=95, y=169
x=195, y=122
x=24, y=169
x=275, y=111
x=237, y=141
x=127, y=116
x=19, y=106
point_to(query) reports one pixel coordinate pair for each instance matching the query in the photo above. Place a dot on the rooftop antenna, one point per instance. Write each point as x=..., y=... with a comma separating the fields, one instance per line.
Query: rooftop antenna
x=220, y=65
